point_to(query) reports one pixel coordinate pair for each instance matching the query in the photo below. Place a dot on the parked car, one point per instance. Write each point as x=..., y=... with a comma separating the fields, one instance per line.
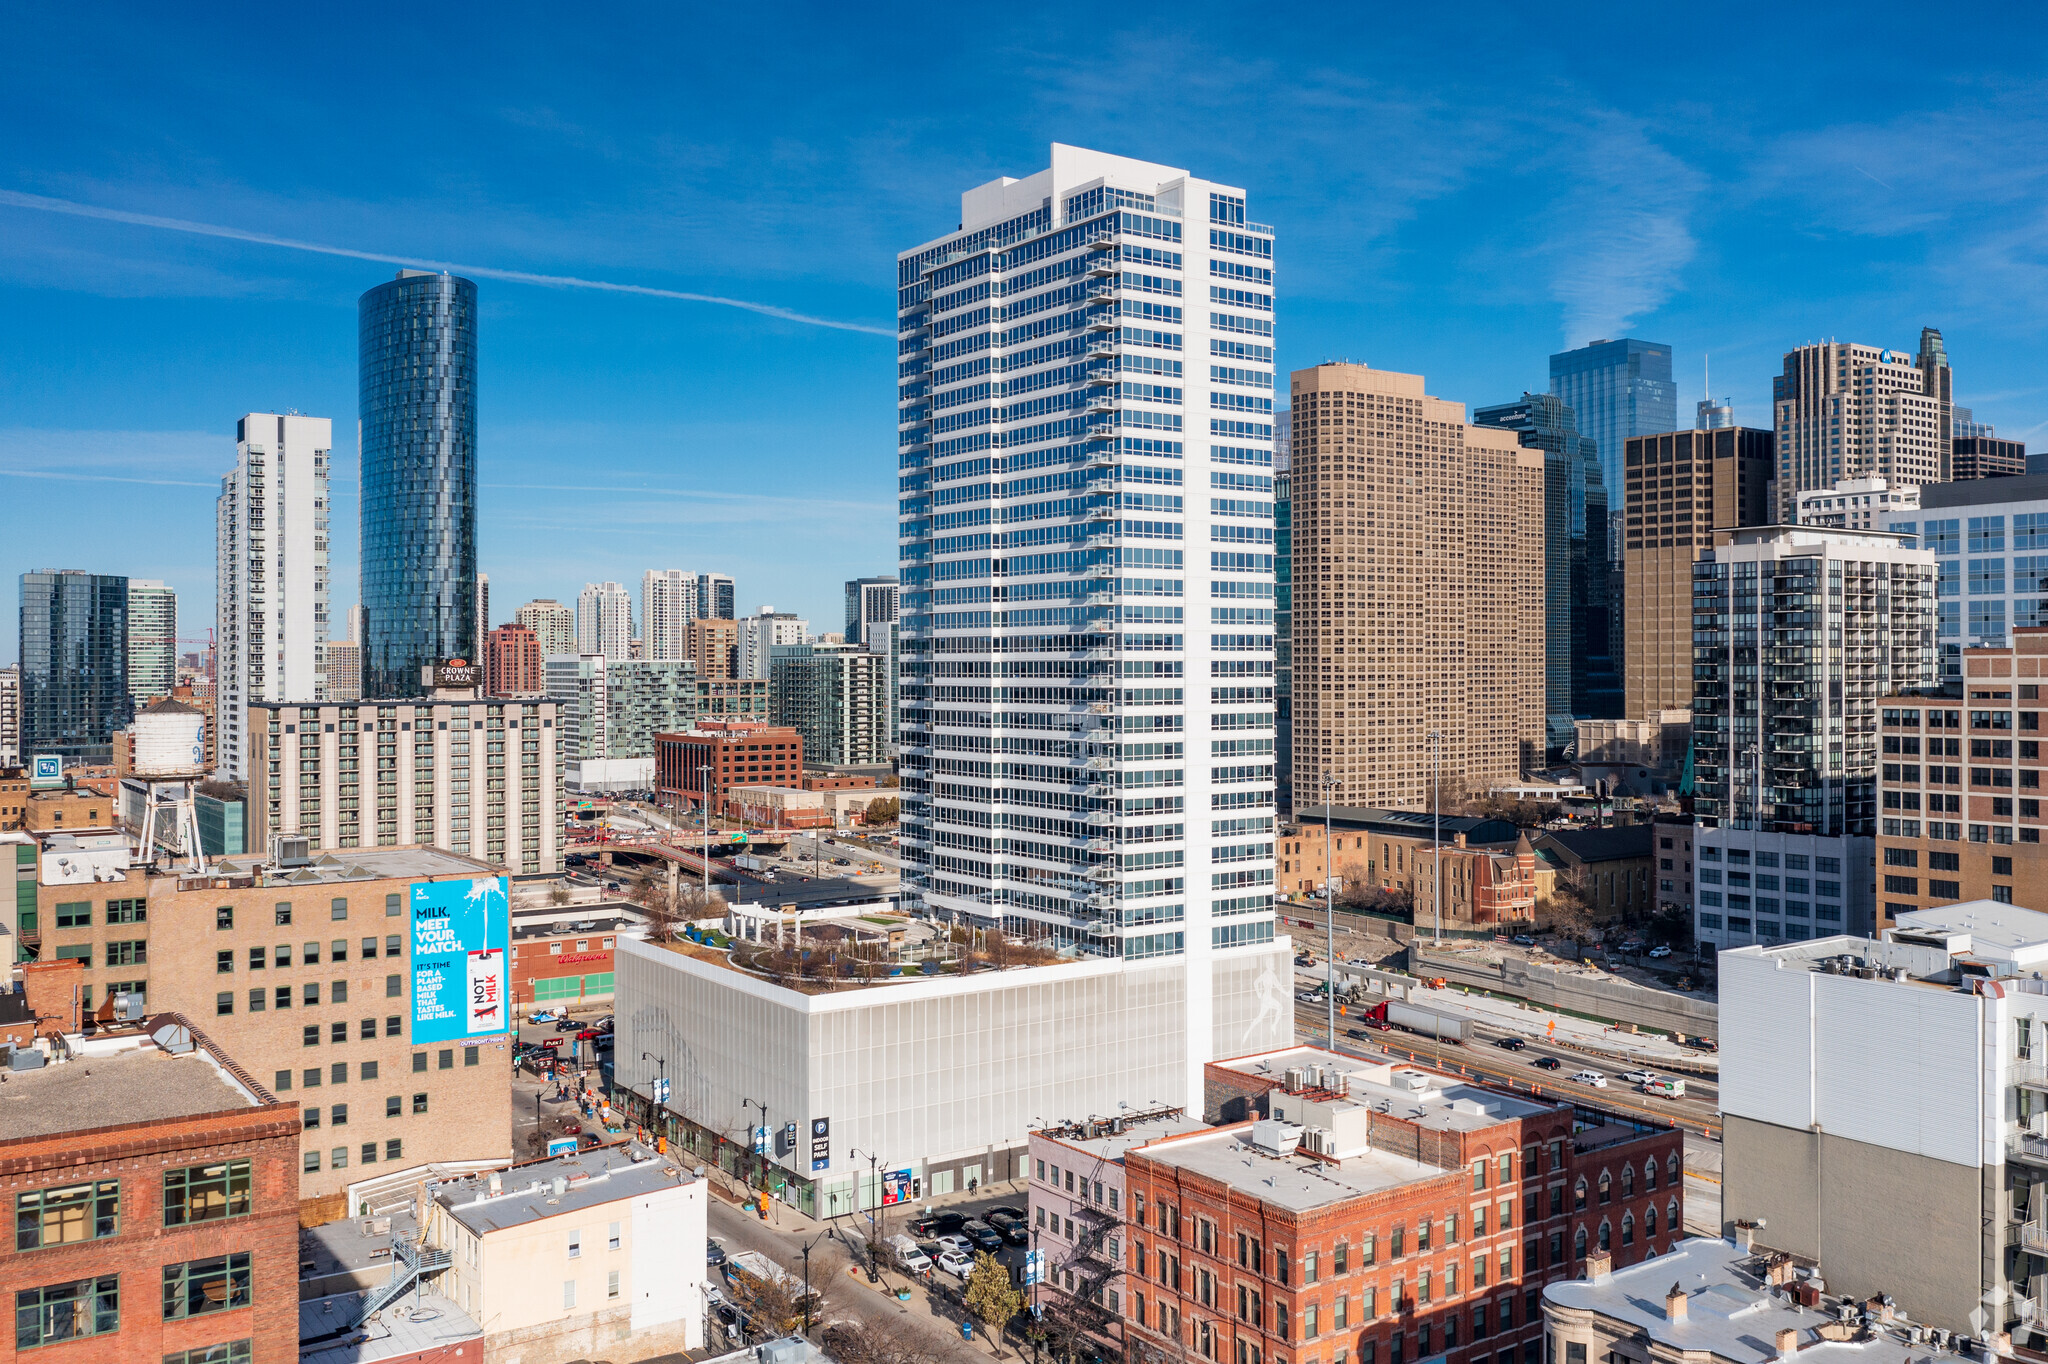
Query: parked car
x=1017, y=1232
x=1547, y=1063
x=984, y=1236
x=1639, y=1077
x=1524, y=940
x=1005, y=1210
x=1590, y=1077
x=1660, y=950
x=1511, y=1043
x=955, y=1244
x=949, y=1223
x=909, y=1258
x=714, y=1251
x=956, y=1263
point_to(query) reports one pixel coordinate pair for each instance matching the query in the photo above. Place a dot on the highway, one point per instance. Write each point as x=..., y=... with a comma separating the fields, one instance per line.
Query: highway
x=1698, y=1112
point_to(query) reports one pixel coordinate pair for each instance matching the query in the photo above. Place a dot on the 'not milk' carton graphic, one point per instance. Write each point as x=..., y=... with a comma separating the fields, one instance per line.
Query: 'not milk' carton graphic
x=459, y=949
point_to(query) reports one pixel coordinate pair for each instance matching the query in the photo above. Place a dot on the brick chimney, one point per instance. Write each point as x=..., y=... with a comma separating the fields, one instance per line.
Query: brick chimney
x=1599, y=1264
x=1788, y=1342
x=1674, y=1304
x=53, y=989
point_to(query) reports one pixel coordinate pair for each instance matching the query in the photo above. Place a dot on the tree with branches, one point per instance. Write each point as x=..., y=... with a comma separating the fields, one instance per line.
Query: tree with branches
x=990, y=1298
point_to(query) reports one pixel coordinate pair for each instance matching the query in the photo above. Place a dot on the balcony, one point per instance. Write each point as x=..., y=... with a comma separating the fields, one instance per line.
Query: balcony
x=2032, y=1237
x=1101, y=265
x=2028, y=1148
x=1104, y=320
x=2031, y=1074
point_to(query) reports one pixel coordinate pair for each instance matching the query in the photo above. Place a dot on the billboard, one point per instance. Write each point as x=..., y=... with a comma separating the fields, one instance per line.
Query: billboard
x=460, y=932
x=47, y=773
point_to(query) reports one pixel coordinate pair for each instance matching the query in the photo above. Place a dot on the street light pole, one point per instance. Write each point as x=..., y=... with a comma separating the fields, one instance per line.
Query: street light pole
x=874, y=1265
x=661, y=1061
x=769, y=1134
x=807, y=1283
x=704, y=786
x=1330, y=907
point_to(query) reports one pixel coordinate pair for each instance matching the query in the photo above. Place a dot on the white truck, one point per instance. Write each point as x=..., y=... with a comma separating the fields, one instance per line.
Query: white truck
x=908, y=1257
x=1665, y=1086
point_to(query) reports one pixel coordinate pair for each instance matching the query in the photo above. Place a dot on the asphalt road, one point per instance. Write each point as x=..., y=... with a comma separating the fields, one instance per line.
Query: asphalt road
x=931, y=1320
x=1699, y=1111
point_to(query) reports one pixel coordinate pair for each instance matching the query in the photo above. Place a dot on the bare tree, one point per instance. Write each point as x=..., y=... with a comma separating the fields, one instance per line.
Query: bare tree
x=1569, y=913
x=855, y=1342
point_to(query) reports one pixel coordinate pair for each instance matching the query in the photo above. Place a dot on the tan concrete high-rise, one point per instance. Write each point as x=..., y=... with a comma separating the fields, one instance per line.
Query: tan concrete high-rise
x=1683, y=491
x=1847, y=411
x=1418, y=592
x=714, y=645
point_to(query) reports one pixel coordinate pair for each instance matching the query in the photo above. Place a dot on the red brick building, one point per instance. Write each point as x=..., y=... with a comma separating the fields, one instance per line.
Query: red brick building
x=155, y=1192
x=512, y=663
x=562, y=968
x=737, y=752
x=1378, y=1214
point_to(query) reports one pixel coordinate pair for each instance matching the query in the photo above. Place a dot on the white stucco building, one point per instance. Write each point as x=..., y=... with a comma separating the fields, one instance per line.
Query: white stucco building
x=942, y=1078
x=1885, y=1110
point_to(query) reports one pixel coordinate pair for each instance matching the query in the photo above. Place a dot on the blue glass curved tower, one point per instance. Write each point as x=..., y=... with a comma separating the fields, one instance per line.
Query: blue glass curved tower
x=417, y=429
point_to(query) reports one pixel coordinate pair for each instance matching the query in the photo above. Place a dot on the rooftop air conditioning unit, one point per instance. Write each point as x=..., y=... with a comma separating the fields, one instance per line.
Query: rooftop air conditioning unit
x=291, y=850
x=1292, y=1081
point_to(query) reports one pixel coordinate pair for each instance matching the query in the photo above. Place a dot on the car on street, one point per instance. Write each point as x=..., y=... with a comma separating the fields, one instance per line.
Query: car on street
x=1524, y=940
x=1590, y=1077
x=1005, y=1210
x=1511, y=1043
x=1660, y=950
x=954, y=1244
x=714, y=1251
x=1017, y=1233
x=1639, y=1077
x=984, y=1236
x=1547, y=1063
x=956, y=1263
x=568, y=1025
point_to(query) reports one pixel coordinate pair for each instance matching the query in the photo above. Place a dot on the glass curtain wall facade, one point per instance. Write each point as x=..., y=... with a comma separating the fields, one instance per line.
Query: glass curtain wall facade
x=74, y=663
x=417, y=389
x=1086, y=457
x=152, y=640
x=1579, y=674
x=1617, y=389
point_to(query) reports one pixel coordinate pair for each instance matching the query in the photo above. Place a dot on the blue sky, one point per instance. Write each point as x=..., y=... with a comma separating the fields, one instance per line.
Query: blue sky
x=1457, y=192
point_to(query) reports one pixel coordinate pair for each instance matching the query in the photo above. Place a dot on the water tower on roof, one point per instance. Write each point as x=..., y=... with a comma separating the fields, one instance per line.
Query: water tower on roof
x=170, y=762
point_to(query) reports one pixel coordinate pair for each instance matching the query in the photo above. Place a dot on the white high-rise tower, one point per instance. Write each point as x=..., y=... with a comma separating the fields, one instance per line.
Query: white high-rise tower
x=1085, y=391
x=668, y=602
x=604, y=621
x=270, y=599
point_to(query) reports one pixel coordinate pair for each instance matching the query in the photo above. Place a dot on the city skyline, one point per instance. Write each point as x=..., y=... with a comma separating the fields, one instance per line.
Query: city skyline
x=1832, y=224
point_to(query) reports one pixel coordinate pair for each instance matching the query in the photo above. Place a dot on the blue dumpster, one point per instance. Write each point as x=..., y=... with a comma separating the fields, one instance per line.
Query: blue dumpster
x=966, y=1330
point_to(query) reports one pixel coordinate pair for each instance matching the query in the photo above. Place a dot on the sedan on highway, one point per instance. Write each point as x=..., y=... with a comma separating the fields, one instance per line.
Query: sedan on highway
x=1547, y=1063
x=1639, y=1077
x=1511, y=1043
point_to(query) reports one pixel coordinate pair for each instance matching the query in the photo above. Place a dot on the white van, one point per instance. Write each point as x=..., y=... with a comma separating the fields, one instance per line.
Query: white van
x=908, y=1257
x=1591, y=1077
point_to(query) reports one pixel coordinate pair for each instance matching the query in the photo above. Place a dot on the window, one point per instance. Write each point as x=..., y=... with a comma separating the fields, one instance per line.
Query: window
x=338, y=1073
x=75, y=1212
x=309, y=1119
x=309, y=992
x=337, y=908
x=281, y=1082
x=419, y=1063
x=67, y=1311
x=207, y=1193
x=419, y=1103
x=219, y=1284
x=368, y=1155
x=471, y=1055
x=76, y=914
x=309, y=1036
x=394, y=1106
x=224, y=1002
x=312, y=1162
x=337, y=1159
x=231, y=1352
x=283, y=954
x=568, y=1294
x=339, y=1117
x=394, y=1148
x=337, y=992
x=392, y=1026
x=612, y=1237
x=446, y=1059
x=284, y=913
x=309, y=1078
x=224, y=917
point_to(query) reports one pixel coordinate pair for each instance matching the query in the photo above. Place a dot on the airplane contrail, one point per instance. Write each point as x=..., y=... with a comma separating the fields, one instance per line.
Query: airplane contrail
x=44, y=204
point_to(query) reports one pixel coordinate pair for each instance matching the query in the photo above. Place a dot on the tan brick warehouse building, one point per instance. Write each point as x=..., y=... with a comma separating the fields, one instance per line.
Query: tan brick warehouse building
x=304, y=976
